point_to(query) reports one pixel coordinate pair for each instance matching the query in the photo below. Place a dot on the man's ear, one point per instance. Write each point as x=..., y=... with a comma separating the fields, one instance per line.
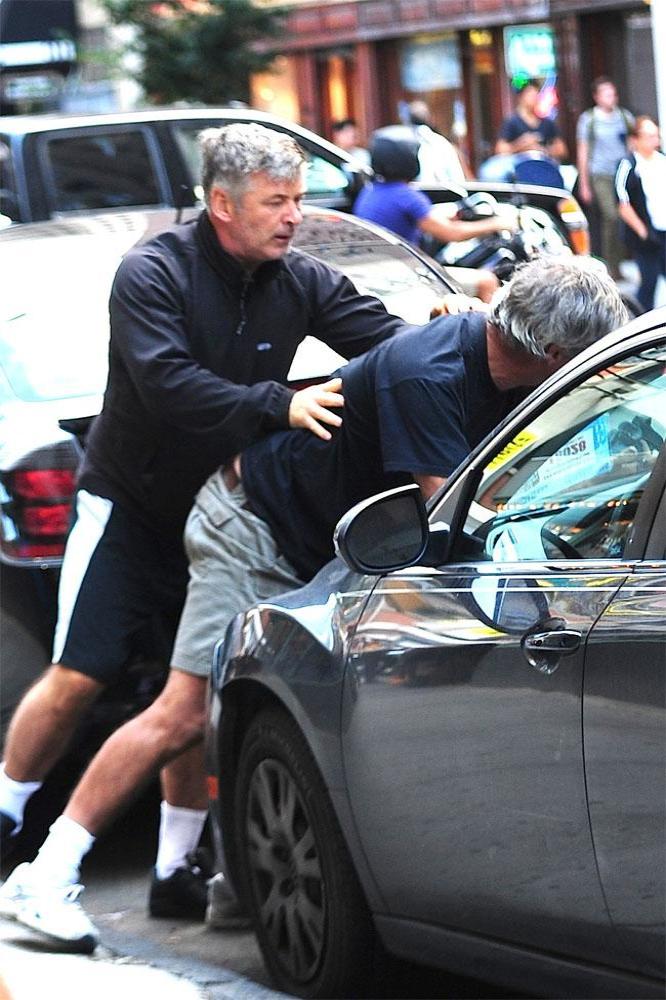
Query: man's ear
x=556, y=356
x=220, y=204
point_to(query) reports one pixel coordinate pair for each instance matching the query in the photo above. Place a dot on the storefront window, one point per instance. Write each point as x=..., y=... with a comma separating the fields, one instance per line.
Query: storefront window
x=431, y=70
x=482, y=87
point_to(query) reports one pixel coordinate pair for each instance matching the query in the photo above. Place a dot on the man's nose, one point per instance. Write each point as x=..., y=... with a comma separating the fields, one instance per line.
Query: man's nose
x=294, y=213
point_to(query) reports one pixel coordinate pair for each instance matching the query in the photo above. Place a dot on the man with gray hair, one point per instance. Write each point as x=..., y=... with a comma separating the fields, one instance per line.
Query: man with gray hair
x=263, y=522
x=205, y=322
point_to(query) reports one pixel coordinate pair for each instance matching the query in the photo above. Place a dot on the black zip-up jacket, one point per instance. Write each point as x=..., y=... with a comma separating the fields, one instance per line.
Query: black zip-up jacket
x=198, y=356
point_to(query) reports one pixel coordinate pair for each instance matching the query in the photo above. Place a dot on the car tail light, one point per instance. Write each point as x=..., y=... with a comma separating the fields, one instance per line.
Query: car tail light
x=576, y=222
x=36, y=506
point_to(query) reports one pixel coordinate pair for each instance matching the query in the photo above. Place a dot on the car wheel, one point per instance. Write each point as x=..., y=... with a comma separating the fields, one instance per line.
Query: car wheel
x=310, y=916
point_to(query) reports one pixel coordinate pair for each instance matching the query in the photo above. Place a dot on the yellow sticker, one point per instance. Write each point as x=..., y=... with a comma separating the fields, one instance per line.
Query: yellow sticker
x=512, y=449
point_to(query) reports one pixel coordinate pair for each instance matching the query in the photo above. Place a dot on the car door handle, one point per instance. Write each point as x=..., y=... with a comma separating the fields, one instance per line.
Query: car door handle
x=564, y=640
x=544, y=650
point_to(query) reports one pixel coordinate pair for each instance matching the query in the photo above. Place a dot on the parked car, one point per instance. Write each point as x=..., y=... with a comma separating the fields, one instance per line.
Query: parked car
x=451, y=742
x=53, y=361
x=57, y=165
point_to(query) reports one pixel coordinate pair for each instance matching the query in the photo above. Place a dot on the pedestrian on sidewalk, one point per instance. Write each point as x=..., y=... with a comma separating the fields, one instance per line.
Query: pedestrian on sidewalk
x=344, y=133
x=263, y=523
x=525, y=131
x=205, y=322
x=641, y=192
x=601, y=138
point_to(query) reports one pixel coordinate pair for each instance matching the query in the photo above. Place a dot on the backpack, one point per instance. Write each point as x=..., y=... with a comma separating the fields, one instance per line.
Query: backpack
x=591, y=136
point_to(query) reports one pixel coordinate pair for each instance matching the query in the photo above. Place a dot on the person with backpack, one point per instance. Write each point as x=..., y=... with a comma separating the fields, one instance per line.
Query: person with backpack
x=641, y=191
x=601, y=136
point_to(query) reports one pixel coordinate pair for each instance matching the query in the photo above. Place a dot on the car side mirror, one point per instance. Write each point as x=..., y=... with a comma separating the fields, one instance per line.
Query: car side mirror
x=385, y=533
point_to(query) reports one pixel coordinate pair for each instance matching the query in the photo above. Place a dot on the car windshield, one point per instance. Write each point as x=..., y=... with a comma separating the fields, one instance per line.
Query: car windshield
x=569, y=483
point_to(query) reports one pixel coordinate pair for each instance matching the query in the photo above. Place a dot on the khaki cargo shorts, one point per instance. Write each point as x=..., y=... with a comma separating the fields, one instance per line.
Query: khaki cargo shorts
x=234, y=563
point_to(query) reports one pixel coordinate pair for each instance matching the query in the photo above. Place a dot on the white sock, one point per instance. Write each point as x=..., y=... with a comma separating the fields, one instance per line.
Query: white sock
x=14, y=796
x=180, y=832
x=62, y=852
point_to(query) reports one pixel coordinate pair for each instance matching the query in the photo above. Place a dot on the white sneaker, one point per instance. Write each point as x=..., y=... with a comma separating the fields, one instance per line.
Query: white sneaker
x=51, y=910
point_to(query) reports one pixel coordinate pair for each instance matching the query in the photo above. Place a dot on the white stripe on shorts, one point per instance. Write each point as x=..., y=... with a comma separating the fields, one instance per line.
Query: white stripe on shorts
x=92, y=516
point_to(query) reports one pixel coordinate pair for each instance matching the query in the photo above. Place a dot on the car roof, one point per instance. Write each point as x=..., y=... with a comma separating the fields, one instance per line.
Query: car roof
x=21, y=124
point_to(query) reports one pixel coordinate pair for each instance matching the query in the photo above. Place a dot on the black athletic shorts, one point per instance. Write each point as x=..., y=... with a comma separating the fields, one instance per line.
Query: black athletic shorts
x=120, y=581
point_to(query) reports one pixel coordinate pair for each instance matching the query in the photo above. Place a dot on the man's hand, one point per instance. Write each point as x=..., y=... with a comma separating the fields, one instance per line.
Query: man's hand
x=428, y=484
x=527, y=142
x=506, y=221
x=456, y=303
x=311, y=407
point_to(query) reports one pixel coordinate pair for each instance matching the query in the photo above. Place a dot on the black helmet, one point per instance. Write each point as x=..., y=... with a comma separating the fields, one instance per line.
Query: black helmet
x=394, y=159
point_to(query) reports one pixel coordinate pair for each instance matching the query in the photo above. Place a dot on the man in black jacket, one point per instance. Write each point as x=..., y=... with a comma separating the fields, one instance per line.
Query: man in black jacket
x=205, y=322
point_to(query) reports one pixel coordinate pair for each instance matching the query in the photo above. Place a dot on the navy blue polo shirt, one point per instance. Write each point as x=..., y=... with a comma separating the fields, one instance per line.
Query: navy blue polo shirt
x=417, y=403
x=514, y=126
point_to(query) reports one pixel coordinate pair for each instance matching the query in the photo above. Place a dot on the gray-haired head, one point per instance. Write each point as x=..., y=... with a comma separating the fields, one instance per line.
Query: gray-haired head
x=232, y=153
x=569, y=303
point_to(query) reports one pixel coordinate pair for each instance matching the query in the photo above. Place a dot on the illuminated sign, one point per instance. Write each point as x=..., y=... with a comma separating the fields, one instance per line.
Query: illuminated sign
x=529, y=51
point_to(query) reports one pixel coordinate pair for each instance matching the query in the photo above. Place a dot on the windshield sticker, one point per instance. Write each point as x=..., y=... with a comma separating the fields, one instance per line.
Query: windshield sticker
x=583, y=457
x=513, y=448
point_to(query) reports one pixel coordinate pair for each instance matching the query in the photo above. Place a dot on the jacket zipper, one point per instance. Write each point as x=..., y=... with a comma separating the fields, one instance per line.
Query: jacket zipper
x=247, y=281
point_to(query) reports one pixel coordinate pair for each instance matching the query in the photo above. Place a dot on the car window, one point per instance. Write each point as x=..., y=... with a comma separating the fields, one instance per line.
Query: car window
x=187, y=138
x=321, y=177
x=102, y=170
x=569, y=483
x=9, y=204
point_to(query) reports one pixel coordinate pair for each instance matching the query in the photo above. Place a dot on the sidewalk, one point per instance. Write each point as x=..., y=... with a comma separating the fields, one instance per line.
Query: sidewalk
x=31, y=971
x=631, y=282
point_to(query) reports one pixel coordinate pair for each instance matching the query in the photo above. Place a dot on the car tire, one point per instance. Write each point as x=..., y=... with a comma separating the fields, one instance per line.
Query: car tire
x=296, y=876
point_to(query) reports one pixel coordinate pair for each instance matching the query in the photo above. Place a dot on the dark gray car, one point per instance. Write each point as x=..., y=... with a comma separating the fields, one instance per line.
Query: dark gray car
x=452, y=740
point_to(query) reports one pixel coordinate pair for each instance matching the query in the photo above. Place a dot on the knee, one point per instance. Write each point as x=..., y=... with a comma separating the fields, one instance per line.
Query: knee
x=174, y=726
x=65, y=691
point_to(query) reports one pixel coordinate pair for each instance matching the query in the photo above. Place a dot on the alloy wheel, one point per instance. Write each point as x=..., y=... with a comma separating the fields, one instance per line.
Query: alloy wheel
x=285, y=870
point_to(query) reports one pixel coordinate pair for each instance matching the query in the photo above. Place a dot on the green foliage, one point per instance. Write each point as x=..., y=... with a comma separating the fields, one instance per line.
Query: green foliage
x=197, y=50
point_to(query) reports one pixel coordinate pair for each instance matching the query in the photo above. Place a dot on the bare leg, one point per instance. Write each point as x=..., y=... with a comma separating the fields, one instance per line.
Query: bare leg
x=184, y=779
x=136, y=751
x=45, y=721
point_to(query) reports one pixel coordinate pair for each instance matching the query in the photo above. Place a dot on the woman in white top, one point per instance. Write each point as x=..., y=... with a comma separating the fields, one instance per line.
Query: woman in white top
x=640, y=183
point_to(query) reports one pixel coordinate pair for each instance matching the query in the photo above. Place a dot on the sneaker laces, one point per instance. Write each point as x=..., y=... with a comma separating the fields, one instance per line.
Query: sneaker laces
x=72, y=893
